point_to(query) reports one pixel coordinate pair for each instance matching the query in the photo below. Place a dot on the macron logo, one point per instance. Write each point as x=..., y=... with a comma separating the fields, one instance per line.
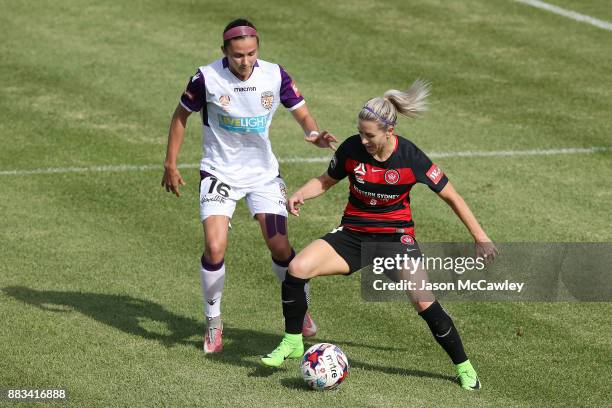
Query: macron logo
x=245, y=89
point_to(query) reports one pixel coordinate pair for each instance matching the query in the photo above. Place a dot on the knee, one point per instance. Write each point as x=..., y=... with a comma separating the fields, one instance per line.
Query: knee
x=301, y=268
x=214, y=251
x=280, y=251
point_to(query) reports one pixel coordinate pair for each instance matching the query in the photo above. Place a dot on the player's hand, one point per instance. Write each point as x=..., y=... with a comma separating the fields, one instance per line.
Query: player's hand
x=296, y=200
x=323, y=140
x=486, y=249
x=172, y=180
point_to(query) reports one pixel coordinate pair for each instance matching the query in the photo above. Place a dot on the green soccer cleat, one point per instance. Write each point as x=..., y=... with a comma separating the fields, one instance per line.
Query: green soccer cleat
x=290, y=347
x=467, y=376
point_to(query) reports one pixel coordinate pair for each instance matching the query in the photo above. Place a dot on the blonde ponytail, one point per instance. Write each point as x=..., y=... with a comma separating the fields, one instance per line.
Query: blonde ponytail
x=411, y=103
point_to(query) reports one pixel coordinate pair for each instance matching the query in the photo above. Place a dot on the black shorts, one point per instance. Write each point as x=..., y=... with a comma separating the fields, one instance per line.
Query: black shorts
x=347, y=244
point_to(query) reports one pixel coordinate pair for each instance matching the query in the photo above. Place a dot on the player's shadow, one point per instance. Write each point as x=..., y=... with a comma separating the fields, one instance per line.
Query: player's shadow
x=140, y=317
x=298, y=384
x=151, y=321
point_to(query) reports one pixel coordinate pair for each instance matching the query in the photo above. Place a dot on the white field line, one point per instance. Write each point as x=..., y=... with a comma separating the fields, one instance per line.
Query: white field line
x=568, y=13
x=157, y=167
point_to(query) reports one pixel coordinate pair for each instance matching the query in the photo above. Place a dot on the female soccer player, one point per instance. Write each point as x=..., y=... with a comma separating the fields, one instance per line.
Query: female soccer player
x=382, y=168
x=237, y=96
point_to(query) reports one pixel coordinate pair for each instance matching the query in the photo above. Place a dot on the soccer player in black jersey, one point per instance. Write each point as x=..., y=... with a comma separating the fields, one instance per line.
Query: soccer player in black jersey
x=382, y=168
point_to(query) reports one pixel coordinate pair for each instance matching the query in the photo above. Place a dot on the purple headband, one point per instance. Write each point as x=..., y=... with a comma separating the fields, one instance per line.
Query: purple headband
x=239, y=31
x=383, y=120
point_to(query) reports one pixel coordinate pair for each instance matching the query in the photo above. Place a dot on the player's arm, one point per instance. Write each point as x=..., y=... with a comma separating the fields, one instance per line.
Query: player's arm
x=311, y=131
x=291, y=99
x=313, y=188
x=484, y=246
x=172, y=177
x=192, y=100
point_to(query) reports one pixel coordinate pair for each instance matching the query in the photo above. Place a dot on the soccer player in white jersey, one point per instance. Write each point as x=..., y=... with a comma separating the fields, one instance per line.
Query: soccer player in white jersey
x=237, y=96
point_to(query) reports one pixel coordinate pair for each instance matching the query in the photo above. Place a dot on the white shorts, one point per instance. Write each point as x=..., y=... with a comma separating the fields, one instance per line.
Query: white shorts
x=218, y=198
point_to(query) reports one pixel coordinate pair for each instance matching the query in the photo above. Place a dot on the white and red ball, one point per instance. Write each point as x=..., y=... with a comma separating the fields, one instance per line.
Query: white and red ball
x=324, y=366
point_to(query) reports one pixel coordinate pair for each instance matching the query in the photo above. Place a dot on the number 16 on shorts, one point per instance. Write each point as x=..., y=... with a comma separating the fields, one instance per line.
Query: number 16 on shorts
x=216, y=198
x=211, y=185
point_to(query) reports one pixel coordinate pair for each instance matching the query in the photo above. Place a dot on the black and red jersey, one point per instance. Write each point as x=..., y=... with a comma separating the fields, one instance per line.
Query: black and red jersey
x=379, y=199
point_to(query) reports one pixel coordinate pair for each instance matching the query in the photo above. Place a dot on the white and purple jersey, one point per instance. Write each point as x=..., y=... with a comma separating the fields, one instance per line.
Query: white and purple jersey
x=236, y=117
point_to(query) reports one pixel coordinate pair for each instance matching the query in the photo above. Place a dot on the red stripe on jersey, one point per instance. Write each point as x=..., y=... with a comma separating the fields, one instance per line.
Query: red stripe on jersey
x=399, y=215
x=374, y=174
x=381, y=230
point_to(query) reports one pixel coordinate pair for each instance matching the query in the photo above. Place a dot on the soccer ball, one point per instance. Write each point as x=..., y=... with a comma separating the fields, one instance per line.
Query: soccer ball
x=324, y=366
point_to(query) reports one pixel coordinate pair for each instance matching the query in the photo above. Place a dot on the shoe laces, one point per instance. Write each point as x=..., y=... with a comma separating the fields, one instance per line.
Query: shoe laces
x=467, y=375
x=213, y=334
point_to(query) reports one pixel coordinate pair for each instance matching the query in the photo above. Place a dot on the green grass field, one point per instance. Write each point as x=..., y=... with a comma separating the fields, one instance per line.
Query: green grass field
x=99, y=284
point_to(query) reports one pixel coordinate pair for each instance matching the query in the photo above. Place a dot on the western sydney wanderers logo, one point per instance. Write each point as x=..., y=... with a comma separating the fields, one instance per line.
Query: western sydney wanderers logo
x=392, y=176
x=407, y=240
x=267, y=99
x=359, y=172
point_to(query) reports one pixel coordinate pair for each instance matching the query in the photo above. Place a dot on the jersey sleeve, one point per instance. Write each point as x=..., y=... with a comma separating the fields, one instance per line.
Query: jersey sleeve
x=427, y=172
x=337, y=168
x=290, y=96
x=194, y=96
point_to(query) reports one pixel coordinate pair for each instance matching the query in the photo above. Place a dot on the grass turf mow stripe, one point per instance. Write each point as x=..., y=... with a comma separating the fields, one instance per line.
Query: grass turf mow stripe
x=568, y=13
x=147, y=167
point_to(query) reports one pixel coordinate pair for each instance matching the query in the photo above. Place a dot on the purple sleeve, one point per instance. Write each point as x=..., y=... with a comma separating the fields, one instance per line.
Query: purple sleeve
x=194, y=96
x=289, y=95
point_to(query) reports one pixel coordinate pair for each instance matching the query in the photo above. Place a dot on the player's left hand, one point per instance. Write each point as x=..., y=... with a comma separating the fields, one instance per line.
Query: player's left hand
x=323, y=140
x=486, y=249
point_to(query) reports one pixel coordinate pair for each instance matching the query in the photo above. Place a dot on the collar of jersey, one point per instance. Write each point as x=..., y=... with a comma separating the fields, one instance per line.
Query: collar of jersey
x=392, y=153
x=226, y=66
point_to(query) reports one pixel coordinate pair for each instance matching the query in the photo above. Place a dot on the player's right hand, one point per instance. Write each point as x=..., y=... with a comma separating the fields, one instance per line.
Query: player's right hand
x=172, y=180
x=486, y=250
x=294, y=202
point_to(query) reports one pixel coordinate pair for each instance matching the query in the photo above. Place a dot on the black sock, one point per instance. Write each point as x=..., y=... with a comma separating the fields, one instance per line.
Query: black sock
x=294, y=303
x=444, y=331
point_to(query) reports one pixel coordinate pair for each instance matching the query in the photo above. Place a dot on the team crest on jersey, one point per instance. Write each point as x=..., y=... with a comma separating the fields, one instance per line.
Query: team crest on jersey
x=407, y=240
x=359, y=172
x=267, y=99
x=224, y=100
x=283, y=190
x=392, y=176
